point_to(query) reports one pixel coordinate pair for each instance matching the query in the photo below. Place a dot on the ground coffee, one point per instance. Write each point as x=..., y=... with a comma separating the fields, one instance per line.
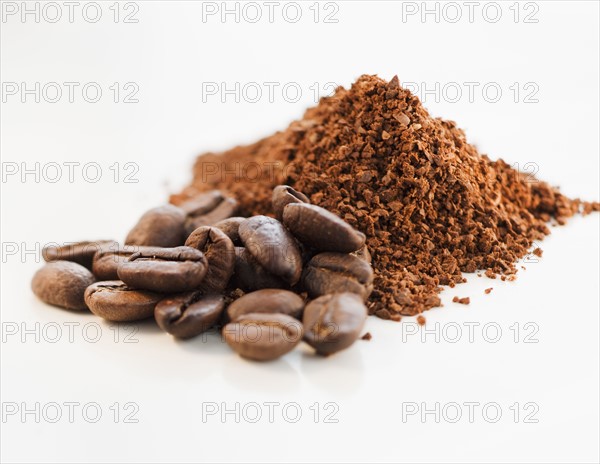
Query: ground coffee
x=430, y=205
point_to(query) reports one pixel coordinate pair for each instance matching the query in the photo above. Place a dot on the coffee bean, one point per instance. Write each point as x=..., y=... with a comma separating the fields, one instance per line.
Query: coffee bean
x=273, y=247
x=115, y=301
x=202, y=203
x=284, y=195
x=263, y=337
x=207, y=209
x=106, y=262
x=161, y=227
x=80, y=252
x=363, y=254
x=167, y=270
x=220, y=253
x=321, y=229
x=231, y=228
x=333, y=322
x=62, y=283
x=267, y=301
x=335, y=273
x=249, y=275
x=189, y=314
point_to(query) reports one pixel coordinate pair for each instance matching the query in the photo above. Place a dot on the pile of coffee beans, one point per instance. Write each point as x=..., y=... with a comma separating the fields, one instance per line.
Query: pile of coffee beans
x=266, y=282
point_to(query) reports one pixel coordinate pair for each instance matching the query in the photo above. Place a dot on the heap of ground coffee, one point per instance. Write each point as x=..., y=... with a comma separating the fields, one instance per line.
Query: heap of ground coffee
x=431, y=206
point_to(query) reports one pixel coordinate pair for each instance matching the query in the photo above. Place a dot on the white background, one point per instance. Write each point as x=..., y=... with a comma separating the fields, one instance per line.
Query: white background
x=168, y=54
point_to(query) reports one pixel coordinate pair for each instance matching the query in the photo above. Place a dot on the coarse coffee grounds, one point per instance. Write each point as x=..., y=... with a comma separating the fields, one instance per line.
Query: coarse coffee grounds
x=431, y=206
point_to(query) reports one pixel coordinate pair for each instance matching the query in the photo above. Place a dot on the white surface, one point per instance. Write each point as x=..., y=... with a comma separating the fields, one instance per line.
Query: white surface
x=169, y=53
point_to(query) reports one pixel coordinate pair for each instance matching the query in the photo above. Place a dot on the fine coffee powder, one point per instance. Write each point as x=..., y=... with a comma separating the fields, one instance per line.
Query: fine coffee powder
x=430, y=205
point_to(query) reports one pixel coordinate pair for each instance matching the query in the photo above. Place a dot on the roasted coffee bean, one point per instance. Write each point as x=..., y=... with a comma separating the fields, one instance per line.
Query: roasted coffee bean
x=189, y=314
x=62, y=283
x=263, y=337
x=115, y=301
x=249, y=275
x=106, y=262
x=231, y=228
x=202, y=203
x=268, y=300
x=335, y=273
x=161, y=227
x=207, y=209
x=80, y=252
x=220, y=253
x=273, y=247
x=321, y=229
x=333, y=322
x=284, y=195
x=363, y=254
x=167, y=270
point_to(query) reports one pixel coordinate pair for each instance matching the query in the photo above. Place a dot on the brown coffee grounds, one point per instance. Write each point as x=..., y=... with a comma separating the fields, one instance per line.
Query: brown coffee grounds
x=466, y=300
x=490, y=274
x=487, y=291
x=421, y=320
x=367, y=336
x=431, y=206
x=538, y=252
